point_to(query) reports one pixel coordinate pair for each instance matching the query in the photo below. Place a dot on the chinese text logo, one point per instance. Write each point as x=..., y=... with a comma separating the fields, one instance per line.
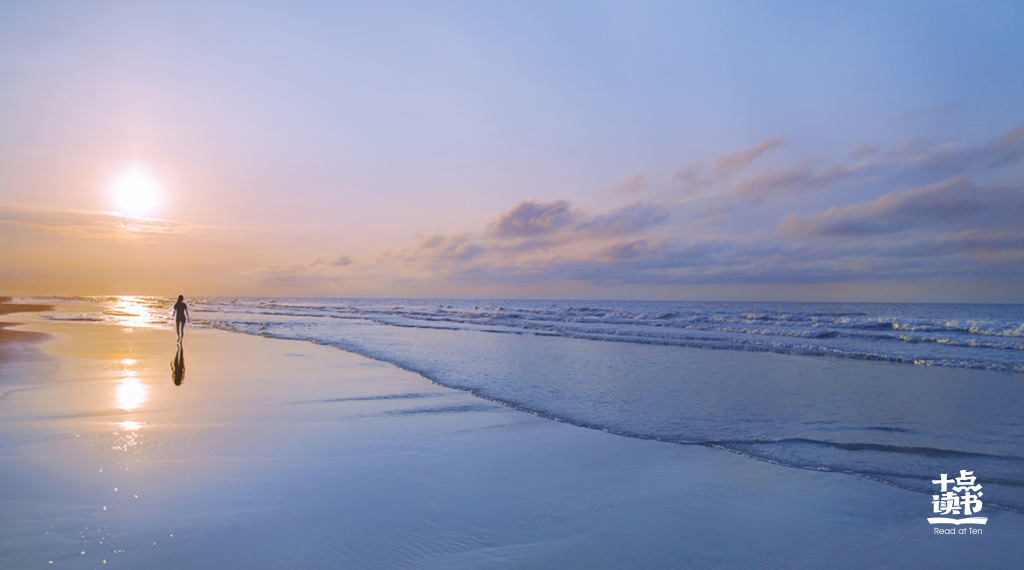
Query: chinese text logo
x=964, y=498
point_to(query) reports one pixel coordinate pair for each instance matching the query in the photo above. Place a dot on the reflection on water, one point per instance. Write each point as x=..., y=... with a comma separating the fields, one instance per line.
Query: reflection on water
x=178, y=366
x=131, y=393
x=136, y=312
x=129, y=438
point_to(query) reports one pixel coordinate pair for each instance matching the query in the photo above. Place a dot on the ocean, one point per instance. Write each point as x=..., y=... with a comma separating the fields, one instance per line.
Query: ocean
x=897, y=393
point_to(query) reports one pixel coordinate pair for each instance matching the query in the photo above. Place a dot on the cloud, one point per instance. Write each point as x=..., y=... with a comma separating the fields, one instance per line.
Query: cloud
x=631, y=219
x=632, y=185
x=1007, y=148
x=748, y=234
x=433, y=242
x=727, y=165
x=865, y=150
x=54, y=251
x=327, y=269
x=628, y=250
x=86, y=225
x=531, y=218
x=953, y=203
x=530, y=240
x=457, y=246
x=801, y=177
x=914, y=161
x=690, y=179
x=984, y=246
x=1003, y=150
x=336, y=260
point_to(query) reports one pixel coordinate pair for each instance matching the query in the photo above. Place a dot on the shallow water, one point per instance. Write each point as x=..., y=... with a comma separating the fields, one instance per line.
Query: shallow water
x=897, y=393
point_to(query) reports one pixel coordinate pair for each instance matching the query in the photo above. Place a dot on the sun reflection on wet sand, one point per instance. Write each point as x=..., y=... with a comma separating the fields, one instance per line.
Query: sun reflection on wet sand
x=131, y=393
x=135, y=312
x=129, y=438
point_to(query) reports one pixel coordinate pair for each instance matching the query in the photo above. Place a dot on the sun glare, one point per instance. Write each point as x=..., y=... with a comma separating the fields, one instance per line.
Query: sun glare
x=131, y=393
x=136, y=192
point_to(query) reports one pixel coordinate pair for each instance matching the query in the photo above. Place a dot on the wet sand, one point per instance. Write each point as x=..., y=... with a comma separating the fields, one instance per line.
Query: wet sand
x=284, y=454
x=13, y=343
x=19, y=359
x=10, y=337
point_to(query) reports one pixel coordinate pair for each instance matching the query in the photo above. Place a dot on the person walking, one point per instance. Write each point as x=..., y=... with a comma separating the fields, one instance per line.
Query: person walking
x=180, y=317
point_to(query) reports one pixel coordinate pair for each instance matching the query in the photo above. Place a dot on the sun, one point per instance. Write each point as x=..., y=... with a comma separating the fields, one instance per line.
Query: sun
x=136, y=192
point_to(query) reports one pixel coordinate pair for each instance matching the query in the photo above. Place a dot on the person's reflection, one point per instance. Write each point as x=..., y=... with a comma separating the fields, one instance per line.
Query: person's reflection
x=178, y=366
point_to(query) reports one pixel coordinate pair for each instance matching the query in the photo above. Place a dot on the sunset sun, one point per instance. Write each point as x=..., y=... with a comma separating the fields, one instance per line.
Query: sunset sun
x=135, y=192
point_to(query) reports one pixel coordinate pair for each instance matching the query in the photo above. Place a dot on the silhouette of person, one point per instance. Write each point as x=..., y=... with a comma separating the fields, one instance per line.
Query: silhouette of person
x=178, y=366
x=180, y=316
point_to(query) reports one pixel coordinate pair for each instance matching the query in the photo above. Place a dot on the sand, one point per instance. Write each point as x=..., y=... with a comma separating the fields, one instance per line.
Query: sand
x=284, y=454
x=16, y=345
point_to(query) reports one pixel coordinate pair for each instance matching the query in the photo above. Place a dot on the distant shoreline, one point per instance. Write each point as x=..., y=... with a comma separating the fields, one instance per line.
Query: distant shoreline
x=6, y=307
x=9, y=338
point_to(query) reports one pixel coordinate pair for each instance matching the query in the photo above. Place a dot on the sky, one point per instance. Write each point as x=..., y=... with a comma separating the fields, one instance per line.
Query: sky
x=789, y=151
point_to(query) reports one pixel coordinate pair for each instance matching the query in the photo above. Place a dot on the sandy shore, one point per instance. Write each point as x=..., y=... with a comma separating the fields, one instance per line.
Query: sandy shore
x=283, y=454
x=14, y=344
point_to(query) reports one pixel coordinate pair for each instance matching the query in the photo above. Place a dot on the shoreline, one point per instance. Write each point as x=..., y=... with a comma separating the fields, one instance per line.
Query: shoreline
x=8, y=336
x=718, y=446
x=19, y=349
x=862, y=418
x=280, y=453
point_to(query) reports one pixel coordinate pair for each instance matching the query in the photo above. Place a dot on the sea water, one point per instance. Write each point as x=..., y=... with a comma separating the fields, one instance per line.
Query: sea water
x=899, y=393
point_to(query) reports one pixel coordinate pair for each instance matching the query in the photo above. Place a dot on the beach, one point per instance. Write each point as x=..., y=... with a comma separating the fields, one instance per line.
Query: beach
x=274, y=453
x=512, y=286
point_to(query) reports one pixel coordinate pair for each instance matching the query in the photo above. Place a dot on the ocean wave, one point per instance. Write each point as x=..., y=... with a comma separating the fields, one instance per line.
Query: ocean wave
x=926, y=451
x=960, y=336
x=898, y=449
x=845, y=333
